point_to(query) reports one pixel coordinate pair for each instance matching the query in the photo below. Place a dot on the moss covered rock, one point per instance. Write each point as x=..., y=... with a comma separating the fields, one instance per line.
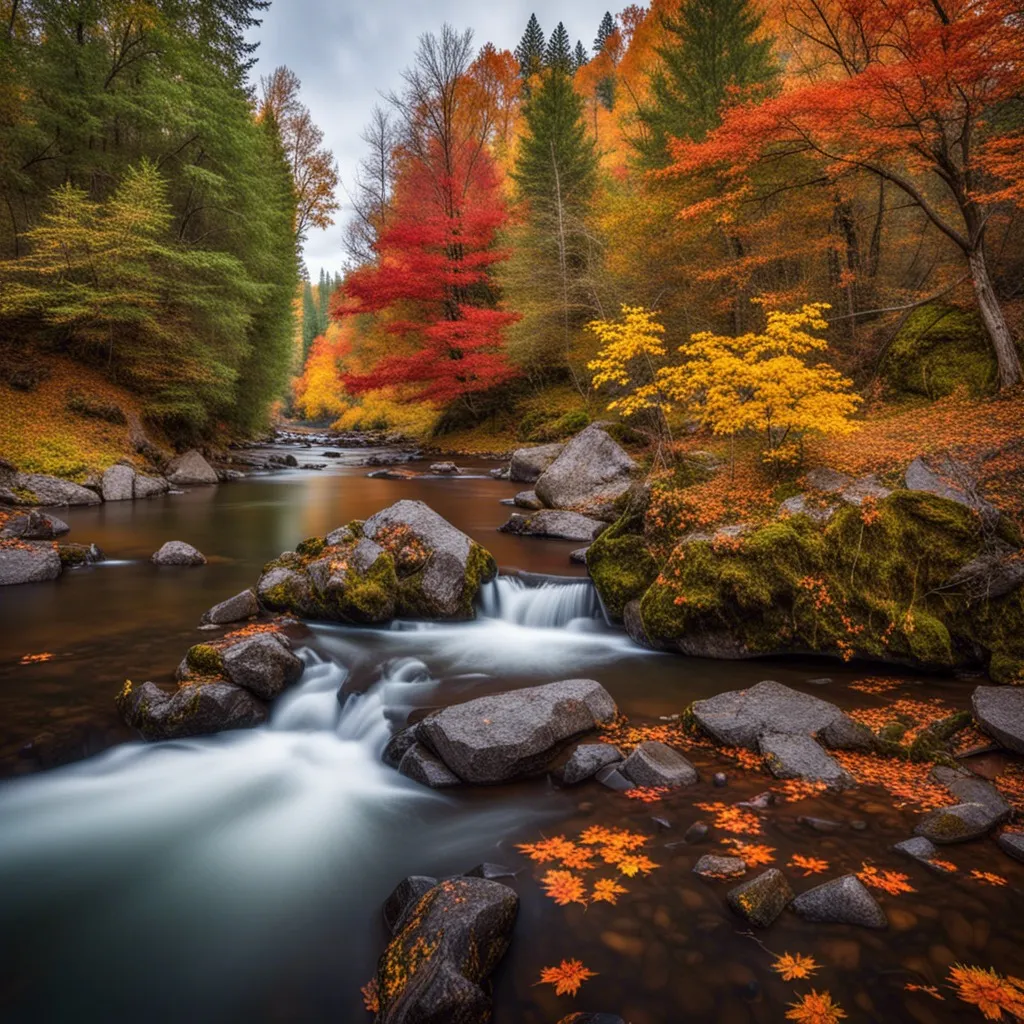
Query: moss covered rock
x=620, y=563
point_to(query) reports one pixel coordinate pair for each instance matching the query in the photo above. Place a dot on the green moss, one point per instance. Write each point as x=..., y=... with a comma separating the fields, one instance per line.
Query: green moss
x=205, y=660
x=932, y=743
x=25, y=496
x=620, y=563
x=311, y=547
x=938, y=349
x=368, y=597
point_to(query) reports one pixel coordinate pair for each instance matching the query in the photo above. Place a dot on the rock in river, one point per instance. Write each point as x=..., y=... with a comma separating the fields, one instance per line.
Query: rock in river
x=34, y=525
x=510, y=735
x=190, y=469
x=800, y=757
x=999, y=711
x=262, y=664
x=586, y=761
x=119, y=483
x=714, y=866
x=528, y=463
x=434, y=969
x=405, y=895
x=552, y=523
x=843, y=900
x=762, y=899
x=37, y=489
x=425, y=767
x=177, y=552
x=656, y=764
x=194, y=710
x=960, y=823
x=235, y=609
x=28, y=563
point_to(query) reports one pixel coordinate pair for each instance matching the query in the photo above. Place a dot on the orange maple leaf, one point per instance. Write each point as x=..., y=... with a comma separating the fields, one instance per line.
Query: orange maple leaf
x=35, y=659
x=808, y=865
x=988, y=991
x=753, y=854
x=555, y=848
x=795, y=965
x=815, y=1008
x=928, y=990
x=607, y=890
x=635, y=863
x=988, y=878
x=648, y=794
x=566, y=977
x=892, y=882
x=564, y=887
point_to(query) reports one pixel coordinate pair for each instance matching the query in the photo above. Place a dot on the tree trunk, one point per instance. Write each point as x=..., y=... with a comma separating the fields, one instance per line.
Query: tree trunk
x=1007, y=357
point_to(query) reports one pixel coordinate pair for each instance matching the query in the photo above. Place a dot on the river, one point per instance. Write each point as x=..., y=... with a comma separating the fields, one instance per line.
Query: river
x=239, y=877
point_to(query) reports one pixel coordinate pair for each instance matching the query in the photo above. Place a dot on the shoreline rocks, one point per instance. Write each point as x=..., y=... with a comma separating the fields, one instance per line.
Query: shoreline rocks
x=555, y=524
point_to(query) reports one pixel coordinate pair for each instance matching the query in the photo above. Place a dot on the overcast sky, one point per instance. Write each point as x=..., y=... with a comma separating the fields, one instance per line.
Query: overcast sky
x=346, y=54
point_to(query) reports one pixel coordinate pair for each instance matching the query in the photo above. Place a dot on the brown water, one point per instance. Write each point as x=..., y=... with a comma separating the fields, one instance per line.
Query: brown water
x=239, y=878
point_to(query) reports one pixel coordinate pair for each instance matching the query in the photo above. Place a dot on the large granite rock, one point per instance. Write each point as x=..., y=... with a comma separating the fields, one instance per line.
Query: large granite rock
x=656, y=764
x=177, y=552
x=440, y=568
x=37, y=489
x=450, y=940
x=22, y=562
x=285, y=589
x=34, y=525
x=843, y=900
x=528, y=463
x=403, y=898
x=793, y=756
x=425, y=767
x=355, y=582
x=970, y=788
x=510, y=735
x=194, y=710
x=235, y=609
x=191, y=469
x=528, y=500
x=553, y=523
x=262, y=664
x=149, y=486
x=118, y=483
x=590, y=474
x=960, y=823
x=762, y=899
x=999, y=711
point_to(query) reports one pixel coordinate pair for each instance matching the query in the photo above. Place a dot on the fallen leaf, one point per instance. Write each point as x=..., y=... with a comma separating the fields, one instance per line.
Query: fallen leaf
x=607, y=890
x=815, y=1008
x=564, y=887
x=794, y=965
x=566, y=977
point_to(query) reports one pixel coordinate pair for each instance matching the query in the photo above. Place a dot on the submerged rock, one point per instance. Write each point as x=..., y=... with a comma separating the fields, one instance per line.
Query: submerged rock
x=843, y=900
x=656, y=764
x=235, y=609
x=762, y=899
x=28, y=563
x=713, y=866
x=194, y=710
x=177, y=552
x=553, y=523
x=444, y=468
x=73, y=556
x=448, y=943
x=924, y=852
x=999, y=711
x=528, y=463
x=510, y=735
x=586, y=761
x=191, y=469
x=1012, y=843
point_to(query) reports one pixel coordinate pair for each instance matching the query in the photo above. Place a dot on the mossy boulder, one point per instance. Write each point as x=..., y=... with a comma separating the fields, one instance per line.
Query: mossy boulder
x=194, y=710
x=621, y=564
x=875, y=582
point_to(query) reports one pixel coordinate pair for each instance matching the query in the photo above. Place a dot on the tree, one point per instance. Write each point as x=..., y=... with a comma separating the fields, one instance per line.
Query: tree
x=579, y=57
x=371, y=191
x=310, y=320
x=314, y=170
x=715, y=51
x=558, y=54
x=632, y=351
x=909, y=91
x=605, y=43
x=604, y=31
x=530, y=51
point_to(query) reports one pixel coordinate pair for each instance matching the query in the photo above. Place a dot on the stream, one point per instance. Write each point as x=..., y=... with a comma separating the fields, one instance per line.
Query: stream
x=239, y=877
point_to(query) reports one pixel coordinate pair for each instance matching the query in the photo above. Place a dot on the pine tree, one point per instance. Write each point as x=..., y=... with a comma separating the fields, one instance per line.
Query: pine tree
x=605, y=89
x=310, y=319
x=530, y=51
x=579, y=56
x=558, y=55
x=715, y=47
x=604, y=30
x=323, y=299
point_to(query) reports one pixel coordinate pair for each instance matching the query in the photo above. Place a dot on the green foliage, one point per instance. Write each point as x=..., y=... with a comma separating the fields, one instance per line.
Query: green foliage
x=530, y=51
x=558, y=53
x=714, y=47
x=620, y=563
x=939, y=349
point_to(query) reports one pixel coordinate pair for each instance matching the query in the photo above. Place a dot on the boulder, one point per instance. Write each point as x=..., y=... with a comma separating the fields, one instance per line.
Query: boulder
x=552, y=523
x=342, y=535
x=762, y=899
x=177, y=552
x=262, y=664
x=959, y=823
x=586, y=761
x=590, y=474
x=924, y=852
x=195, y=710
x=191, y=469
x=713, y=866
x=528, y=463
x=73, y=556
x=510, y=735
x=37, y=489
x=947, y=478
x=355, y=583
x=843, y=900
x=406, y=894
x=398, y=744
x=390, y=474
x=22, y=562
x=34, y=525
x=118, y=483
x=1012, y=843
x=999, y=711
x=991, y=574
x=611, y=777
x=425, y=767
x=851, y=490
x=799, y=505
x=149, y=486
x=434, y=969
x=656, y=764
x=235, y=609
x=528, y=500
x=738, y=718
x=793, y=756
x=970, y=788
x=440, y=569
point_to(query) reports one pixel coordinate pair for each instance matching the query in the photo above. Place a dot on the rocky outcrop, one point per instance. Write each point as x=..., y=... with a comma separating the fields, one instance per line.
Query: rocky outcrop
x=556, y=524
x=762, y=899
x=235, y=609
x=447, y=944
x=510, y=735
x=656, y=764
x=851, y=490
x=37, y=489
x=528, y=463
x=843, y=900
x=999, y=711
x=950, y=479
x=195, y=710
x=22, y=562
x=589, y=475
x=34, y=525
x=118, y=483
x=191, y=469
x=177, y=552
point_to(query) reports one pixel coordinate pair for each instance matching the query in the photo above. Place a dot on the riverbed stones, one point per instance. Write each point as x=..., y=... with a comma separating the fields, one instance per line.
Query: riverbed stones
x=959, y=823
x=74, y=556
x=38, y=489
x=118, y=483
x=714, y=866
x=191, y=469
x=34, y=525
x=440, y=569
x=585, y=762
x=844, y=900
x=924, y=851
x=434, y=969
x=405, y=895
x=177, y=552
x=999, y=711
x=528, y=463
x=510, y=735
x=23, y=562
x=423, y=766
x=235, y=609
x=970, y=788
x=528, y=500
x=790, y=756
x=553, y=523
x=149, y=486
x=762, y=899
x=590, y=474
x=445, y=468
x=263, y=664
x=656, y=764
x=194, y=710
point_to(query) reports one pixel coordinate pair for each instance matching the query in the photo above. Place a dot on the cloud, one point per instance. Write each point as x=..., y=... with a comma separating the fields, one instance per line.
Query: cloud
x=347, y=56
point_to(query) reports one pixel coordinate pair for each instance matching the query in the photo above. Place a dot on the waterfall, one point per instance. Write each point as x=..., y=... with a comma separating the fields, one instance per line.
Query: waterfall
x=549, y=606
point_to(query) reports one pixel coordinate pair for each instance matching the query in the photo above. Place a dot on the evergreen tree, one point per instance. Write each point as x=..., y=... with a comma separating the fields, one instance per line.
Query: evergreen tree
x=714, y=47
x=530, y=51
x=579, y=56
x=310, y=320
x=323, y=298
x=605, y=89
x=604, y=30
x=558, y=55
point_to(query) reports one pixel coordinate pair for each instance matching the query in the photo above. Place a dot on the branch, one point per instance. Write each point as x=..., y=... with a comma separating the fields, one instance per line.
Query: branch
x=910, y=305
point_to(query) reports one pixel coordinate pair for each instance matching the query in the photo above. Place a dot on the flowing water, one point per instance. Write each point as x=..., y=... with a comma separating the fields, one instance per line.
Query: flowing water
x=239, y=877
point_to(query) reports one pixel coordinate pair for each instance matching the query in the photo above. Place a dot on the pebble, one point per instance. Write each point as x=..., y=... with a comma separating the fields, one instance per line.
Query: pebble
x=696, y=833
x=720, y=779
x=820, y=824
